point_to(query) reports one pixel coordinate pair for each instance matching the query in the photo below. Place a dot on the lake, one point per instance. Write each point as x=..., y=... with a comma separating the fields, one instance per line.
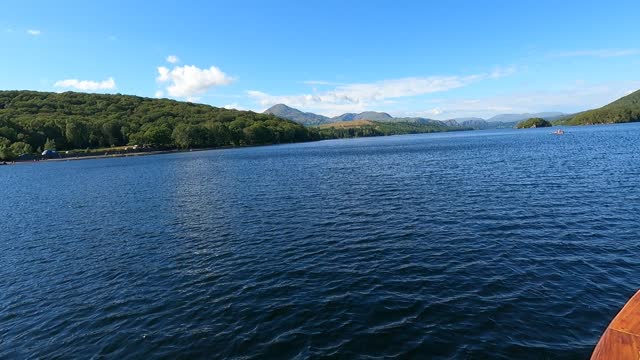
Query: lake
x=480, y=244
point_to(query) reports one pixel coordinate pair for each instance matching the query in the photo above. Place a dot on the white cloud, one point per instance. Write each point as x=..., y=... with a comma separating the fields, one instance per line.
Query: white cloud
x=602, y=53
x=360, y=96
x=163, y=74
x=172, y=59
x=320, y=82
x=435, y=111
x=34, y=32
x=159, y=94
x=306, y=102
x=84, y=85
x=188, y=81
x=234, y=106
x=571, y=99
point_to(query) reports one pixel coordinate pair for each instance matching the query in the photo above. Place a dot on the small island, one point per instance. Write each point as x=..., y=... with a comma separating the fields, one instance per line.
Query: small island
x=533, y=123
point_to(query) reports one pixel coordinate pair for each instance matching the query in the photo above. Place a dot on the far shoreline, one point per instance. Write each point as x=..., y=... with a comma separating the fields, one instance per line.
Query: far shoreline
x=176, y=151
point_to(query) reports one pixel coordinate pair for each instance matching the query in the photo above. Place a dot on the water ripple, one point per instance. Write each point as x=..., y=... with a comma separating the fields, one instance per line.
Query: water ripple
x=489, y=244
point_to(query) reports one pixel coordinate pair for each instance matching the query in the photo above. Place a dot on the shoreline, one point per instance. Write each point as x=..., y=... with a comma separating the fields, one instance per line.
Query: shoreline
x=141, y=153
x=108, y=156
x=92, y=157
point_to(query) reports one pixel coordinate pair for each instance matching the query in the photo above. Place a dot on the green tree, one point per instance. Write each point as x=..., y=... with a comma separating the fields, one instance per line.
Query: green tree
x=8, y=133
x=258, y=133
x=4, y=142
x=182, y=136
x=79, y=120
x=21, y=148
x=50, y=144
x=77, y=134
x=218, y=134
x=6, y=154
x=236, y=131
x=112, y=133
x=158, y=135
x=187, y=136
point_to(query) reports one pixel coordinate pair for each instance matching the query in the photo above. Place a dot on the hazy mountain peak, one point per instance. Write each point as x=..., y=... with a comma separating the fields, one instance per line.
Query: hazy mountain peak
x=311, y=119
x=304, y=118
x=280, y=107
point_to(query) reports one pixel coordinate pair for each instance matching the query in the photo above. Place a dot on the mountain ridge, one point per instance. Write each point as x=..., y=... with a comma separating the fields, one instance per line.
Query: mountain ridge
x=365, y=115
x=498, y=121
x=289, y=113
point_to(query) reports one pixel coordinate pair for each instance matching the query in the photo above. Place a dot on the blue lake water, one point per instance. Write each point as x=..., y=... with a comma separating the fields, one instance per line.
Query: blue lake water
x=484, y=244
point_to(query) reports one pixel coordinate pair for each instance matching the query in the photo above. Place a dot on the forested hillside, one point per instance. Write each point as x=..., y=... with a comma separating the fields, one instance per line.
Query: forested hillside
x=32, y=121
x=364, y=128
x=625, y=109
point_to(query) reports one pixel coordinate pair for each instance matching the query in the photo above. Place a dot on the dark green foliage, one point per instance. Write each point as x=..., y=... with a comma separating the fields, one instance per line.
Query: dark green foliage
x=6, y=154
x=112, y=132
x=533, y=123
x=187, y=136
x=398, y=128
x=50, y=144
x=258, y=134
x=377, y=128
x=77, y=133
x=8, y=133
x=156, y=135
x=21, y=148
x=78, y=121
x=625, y=109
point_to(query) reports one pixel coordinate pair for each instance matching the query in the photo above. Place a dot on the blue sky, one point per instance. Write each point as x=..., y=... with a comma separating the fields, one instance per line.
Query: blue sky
x=410, y=58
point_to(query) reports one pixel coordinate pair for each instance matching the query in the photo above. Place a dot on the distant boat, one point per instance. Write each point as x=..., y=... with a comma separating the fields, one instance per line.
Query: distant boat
x=621, y=340
x=559, y=132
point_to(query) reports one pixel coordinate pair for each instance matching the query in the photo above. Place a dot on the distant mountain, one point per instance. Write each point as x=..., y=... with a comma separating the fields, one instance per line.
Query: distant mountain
x=474, y=123
x=344, y=117
x=462, y=119
x=477, y=123
x=418, y=120
x=525, y=116
x=625, y=109
x=502, y=125
x=557, y=117
x=304, y=118
x=496, y=122
x=311, y=119
x=367, y=115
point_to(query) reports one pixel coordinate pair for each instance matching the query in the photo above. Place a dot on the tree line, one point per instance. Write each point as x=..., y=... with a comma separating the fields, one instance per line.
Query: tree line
x=34, y=121
x=380, y=128
x=31, y=122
